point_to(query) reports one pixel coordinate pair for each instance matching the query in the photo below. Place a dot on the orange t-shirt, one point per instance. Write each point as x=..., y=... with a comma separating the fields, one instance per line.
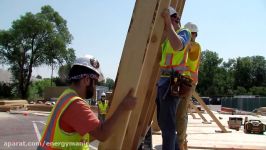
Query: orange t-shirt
x=78, y=117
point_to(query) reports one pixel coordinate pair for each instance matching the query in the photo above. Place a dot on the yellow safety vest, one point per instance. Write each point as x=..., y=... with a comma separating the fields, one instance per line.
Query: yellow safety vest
x=194, y=64
x=103, y=107
x=53, y=136
x=174, y=60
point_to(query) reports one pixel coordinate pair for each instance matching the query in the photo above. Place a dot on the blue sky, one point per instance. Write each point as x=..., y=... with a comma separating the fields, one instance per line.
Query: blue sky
x=230, y=28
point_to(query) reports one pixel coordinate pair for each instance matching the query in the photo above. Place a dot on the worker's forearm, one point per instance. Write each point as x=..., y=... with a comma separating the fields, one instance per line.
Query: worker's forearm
x=108, y=125
x=106, y=128
x=174, y=39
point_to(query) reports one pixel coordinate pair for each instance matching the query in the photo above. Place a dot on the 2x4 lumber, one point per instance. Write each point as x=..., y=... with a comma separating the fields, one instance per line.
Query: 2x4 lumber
x=149, y=106
x=147, y=111
x=191, y=113
x=197, y=97
x=180, y=6
x=130, y=67
x=199, y=113
x=174, y=3
x=152, y=53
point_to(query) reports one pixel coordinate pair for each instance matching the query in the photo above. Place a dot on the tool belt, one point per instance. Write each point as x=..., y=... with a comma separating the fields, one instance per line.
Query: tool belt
x=180, y=85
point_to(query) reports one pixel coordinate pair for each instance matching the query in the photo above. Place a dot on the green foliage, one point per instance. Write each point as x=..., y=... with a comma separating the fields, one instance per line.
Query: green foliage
x=33, y=40
x=36, y=88
x=5, y=90
x=110, y=83
x=258, y=91
x=63, y=73
x=240, y=91
x=209, y=69
x=241, y=76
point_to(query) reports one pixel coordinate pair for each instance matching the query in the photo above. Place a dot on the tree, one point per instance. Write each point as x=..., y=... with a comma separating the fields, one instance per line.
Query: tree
x=243, y=72
x=63, y=74
x=33, y=40
x=5, y=90
x=36, y=89
x=241, y=91
x=208, y=73
x=228, y=77
x=258, y=70
x=110, y=83
x=258, y=91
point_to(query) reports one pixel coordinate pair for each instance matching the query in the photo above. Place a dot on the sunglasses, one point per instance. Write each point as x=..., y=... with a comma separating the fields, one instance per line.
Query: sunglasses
x=177, y=19
x=194, y=33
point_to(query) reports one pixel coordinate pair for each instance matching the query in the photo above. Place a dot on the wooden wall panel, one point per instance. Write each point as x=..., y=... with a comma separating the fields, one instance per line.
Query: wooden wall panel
x=130, y=66
x=138, y=66
x=180, y=6
x=152, y=53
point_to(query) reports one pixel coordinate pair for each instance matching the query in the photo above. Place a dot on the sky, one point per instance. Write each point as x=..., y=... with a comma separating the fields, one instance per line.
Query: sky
x=231, y=28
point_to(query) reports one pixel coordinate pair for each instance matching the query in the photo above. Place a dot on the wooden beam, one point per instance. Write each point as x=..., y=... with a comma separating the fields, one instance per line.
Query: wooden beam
x=148, y=107
x=153, y=51
x=180, y=6
x=173, y=3
x=197, y=97
x=190, y=112
x=199, y=113
x=147, y=111
x=130, y=67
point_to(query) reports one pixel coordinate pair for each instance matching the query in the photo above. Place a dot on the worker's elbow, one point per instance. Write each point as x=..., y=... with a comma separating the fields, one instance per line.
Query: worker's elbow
x=177, y=48
x=102, y=138
x=99, y=134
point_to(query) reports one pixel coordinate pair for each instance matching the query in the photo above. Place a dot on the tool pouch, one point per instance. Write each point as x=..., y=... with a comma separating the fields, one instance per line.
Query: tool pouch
x=185, y=86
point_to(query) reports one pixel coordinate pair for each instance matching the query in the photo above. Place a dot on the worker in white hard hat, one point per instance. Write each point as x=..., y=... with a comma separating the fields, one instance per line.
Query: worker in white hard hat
x=102, y=107
x=193, y=61
x=71, y=122
x=172, y=65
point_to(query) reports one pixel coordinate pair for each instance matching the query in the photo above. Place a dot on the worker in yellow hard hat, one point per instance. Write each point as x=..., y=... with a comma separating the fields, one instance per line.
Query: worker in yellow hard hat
x=71, y=122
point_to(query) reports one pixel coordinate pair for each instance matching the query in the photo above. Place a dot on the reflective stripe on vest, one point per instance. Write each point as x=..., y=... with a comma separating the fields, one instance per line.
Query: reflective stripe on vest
x=50, y=139
x=48, y=135
x=173, y=60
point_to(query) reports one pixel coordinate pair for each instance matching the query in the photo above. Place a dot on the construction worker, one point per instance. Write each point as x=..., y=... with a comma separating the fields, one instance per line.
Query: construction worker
x=71, y=122
x=102, y=107
x=173, y=63
x=193, y=60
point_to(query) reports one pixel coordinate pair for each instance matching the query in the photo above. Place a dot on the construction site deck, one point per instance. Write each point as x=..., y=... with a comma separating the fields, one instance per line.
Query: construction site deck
x=26, y=126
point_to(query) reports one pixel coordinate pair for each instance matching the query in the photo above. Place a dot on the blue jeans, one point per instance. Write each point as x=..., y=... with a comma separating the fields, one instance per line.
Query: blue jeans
x=166, y=114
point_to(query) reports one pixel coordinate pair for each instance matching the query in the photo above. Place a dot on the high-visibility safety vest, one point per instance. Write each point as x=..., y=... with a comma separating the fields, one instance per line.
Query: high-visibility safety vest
x=194, y=64
x=53, y=136
x=174, y=60
x=103, y=107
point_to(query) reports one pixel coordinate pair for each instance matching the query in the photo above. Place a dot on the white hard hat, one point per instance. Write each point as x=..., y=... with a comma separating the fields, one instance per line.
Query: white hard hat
x=191, y=26
x=103, y=94
x=91, y=63
x=171, y=10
